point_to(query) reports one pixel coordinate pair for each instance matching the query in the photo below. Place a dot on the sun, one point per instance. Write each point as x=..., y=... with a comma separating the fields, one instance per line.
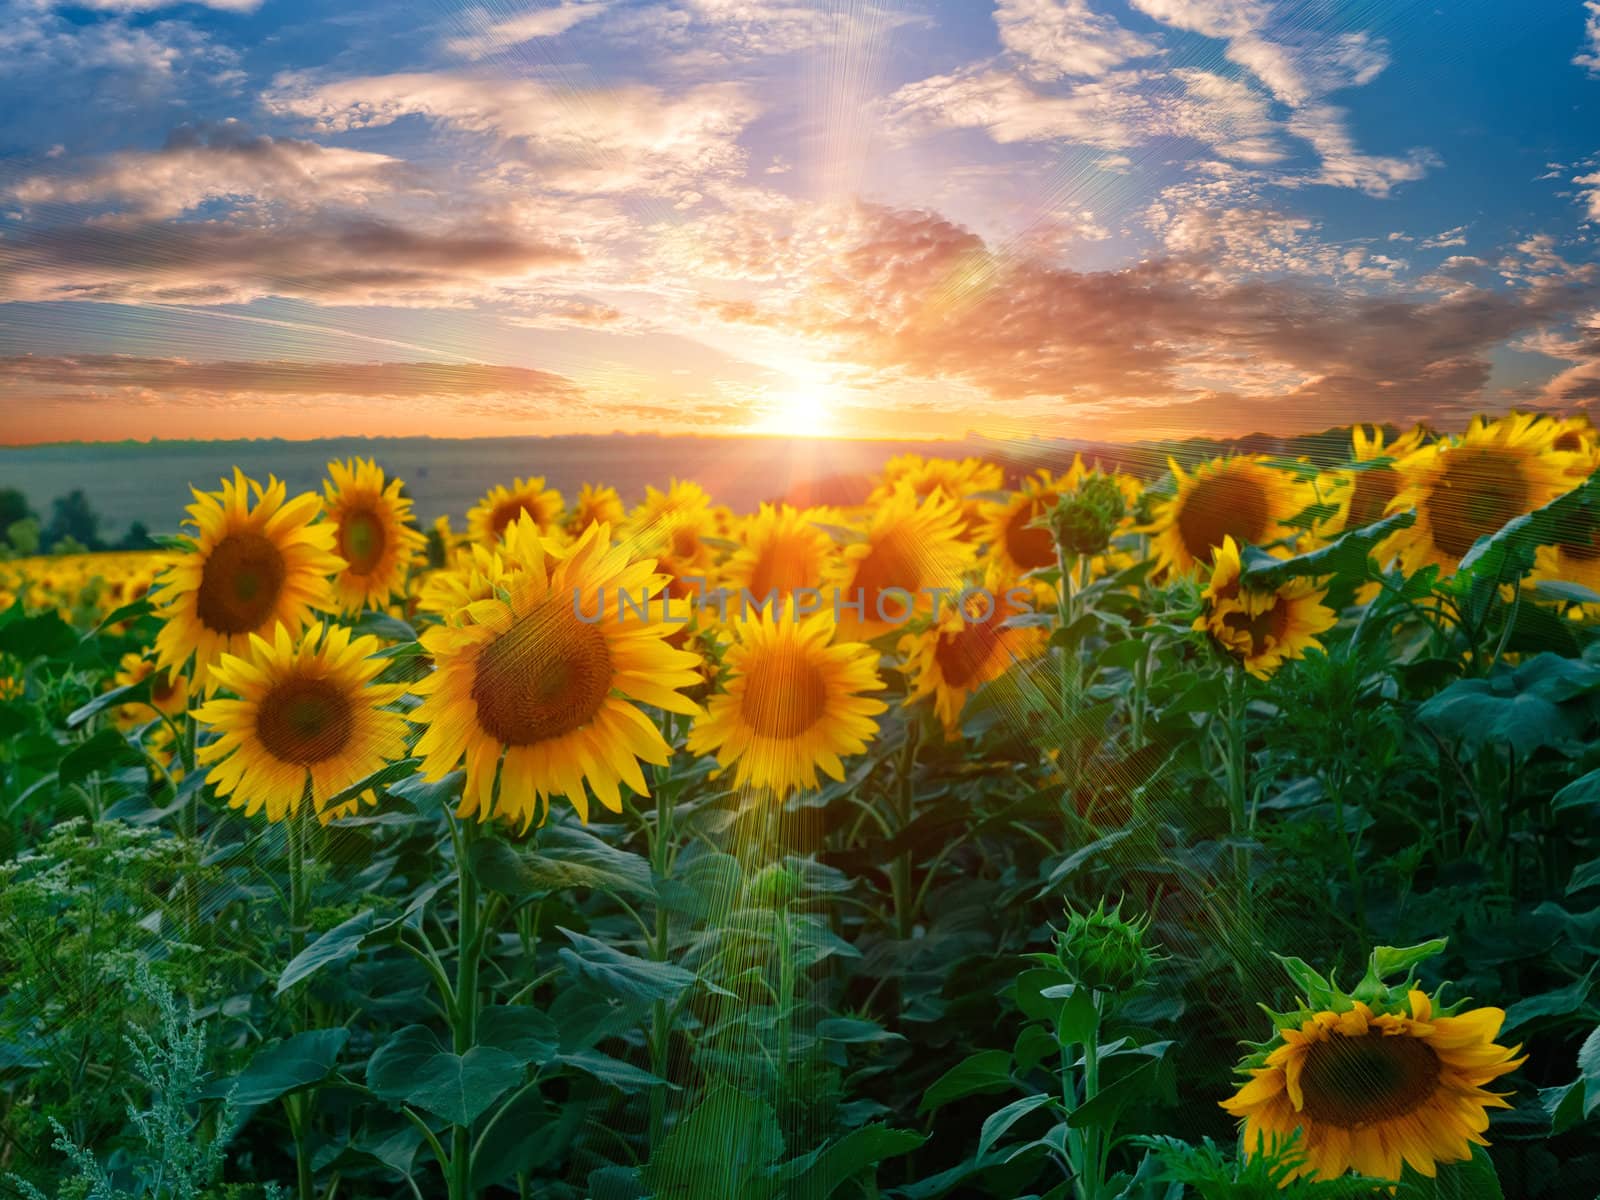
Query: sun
x=802, y=410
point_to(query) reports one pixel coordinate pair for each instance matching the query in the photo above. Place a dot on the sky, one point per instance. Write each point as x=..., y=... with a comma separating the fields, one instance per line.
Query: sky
x=1099, y=219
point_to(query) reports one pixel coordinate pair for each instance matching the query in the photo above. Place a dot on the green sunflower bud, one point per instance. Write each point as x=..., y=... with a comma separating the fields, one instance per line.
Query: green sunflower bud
x=1085, y=520
x=774, y=886
x=1104, y=951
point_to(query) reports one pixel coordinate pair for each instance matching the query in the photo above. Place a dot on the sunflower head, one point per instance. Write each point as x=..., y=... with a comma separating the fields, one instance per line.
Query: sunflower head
x=1466, y=488
x=961, y=480
x=1242, y=497
x=307, y=722
x=257, y=560
x=502, y=506
x=376, y=535
x=907, y=550
x=1374, y=1079
x=1262, y=628
x=670, y=526
x=781, y=549
x=596, y=504
x=792, y=703
x=168, y=693
x=1083, y=520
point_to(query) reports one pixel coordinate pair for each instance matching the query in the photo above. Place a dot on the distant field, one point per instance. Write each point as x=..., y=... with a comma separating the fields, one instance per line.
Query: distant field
x=150, y=482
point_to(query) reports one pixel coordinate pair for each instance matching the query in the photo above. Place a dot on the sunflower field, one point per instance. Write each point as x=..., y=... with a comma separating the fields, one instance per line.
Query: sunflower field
x=1228, y=833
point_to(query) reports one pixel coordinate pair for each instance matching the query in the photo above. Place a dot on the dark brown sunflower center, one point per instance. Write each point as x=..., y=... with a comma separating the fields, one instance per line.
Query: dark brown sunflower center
x=1371, y=495
x=1349, y=1082
x=782, y=566
x=1230, y=503
x=304, y=720
x=544, y=677
x=784, y=693
x=891, y=563
x=162, y=687
x=963, y=655
x=1569, y=442
x=1478, y=491
x=239, y=583
x=362, y=540
x=508, y=511
x=1270, y=625
x=1030, y=547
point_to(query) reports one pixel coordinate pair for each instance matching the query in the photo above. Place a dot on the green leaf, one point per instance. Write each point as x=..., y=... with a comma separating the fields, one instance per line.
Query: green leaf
x=983, y=1072
x=1139, y=1086
x=1000, y=1122
x=1347, y=555
x=624, y=974
x=106, y=748
x=525, y=1033
x=339, y=944
x=1388, y=961
x=1585, y=875
x=389, y=773
x=1482, y=711
x=44, y=635
x=1559, y=1003
x=564, y=858
x=1565, y=1105
x=1472, y=1180
x=845, y=1159
x=131, y=611
x=1589, y=1065
x=1509, y=554
x=854, y=1031
x=284, y=1067
x=621, y=1075
x=1581, y=791
x=717, y=1149
x=412, y=1068
x=381, y=625
x=126, y=694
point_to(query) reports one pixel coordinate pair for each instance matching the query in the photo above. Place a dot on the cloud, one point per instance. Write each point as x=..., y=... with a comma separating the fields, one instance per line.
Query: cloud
x=1063, y=37
x=912, y=295
x=1590, y=56
x=491, y=36
x=145, y=6
x=320, y=257
x=219, y=161
x=1116, y=112
x=626, y=138
x=1590, y=195
x=1323, y=126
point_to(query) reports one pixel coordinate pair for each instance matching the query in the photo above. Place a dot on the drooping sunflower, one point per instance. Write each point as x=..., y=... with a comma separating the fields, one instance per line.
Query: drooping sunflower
x=959, y=479
x=1261, y=628
x=308, y=721
x=541, y=683
x=249, y=568
x=908, y=548
x=1240, y=497
x=792, y=704
x=376, y=537
x=1364, y=495
x=781, y=550
x=1371, y=1090
x=670, y=526
x=596, y=504
x=501, y=506
x=966, y=647
x=169, y=692
x=1467, y=488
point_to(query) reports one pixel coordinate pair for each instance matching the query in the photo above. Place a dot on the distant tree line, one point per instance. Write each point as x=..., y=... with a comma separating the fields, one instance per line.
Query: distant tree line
x=73, y=528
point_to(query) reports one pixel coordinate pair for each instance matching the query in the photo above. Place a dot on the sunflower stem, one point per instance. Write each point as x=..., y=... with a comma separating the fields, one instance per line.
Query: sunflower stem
x=900, y=880
x=660, y=1018
x=464, y=1011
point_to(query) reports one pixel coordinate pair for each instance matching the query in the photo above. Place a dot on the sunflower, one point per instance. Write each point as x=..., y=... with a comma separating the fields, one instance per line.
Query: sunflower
x=1261, y=628
x=1364, y=495
x=670, y=526
x=595, y=504
x=501, y=506
x=1470, y=487
x=541, y=682
x=376, y=536
x=781, y=549
x=1240, y=497
x=1576, y=435
x=308, y=722
x=792, y=703
x=959, y=479
x=169, y=692
x=1016, y=545
x=909, y=548
x=966, y=647
x=248, y=570
x=1369, y=1090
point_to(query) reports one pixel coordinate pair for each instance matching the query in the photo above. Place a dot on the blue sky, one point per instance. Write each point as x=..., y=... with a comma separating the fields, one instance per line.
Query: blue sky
x=1109, y=218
